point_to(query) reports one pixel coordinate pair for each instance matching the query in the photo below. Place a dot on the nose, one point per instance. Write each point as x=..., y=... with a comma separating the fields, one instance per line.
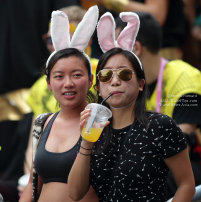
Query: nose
x=115, y=80
x=68, y=82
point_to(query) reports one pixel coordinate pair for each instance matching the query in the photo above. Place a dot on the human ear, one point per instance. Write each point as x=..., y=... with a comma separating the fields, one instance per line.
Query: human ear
x=90, y=81
x=137, y=49
x=141, y=84
x=97, y=88
x=48, y=85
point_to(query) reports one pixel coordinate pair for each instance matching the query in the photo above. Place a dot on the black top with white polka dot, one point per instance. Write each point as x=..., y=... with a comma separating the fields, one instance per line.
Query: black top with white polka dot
x=141, y=173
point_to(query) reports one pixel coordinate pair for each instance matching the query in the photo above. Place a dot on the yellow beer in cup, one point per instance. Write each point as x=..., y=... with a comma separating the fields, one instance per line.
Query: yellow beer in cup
x=99, y=115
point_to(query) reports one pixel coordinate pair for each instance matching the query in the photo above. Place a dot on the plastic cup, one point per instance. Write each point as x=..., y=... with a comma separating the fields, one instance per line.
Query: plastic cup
x=23, y=181
x=95, y=123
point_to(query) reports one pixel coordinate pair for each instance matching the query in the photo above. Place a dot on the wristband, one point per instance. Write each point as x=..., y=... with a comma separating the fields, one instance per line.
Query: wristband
x=85, y=148
x=85, y=154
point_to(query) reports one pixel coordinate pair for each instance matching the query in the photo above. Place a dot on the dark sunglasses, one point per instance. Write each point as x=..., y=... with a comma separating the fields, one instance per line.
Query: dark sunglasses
x=48, y=40
x=106, y=75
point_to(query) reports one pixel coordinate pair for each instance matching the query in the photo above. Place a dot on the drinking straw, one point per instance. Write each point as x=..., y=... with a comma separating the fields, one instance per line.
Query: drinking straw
x=106, y=98
x=93, y=115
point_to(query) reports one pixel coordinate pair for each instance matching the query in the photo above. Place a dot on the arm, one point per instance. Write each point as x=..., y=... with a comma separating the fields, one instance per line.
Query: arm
x=78, y=178
x=181, y=170
x=188, y=117
x=189, y=11
x=158, y=8
x=28, y=159
x=27, y=193
x=28, y=155
x=187, y=128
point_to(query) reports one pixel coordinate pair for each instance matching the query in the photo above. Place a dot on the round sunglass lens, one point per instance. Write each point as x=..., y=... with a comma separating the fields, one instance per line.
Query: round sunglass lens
x=105, y=75
x=125, y=74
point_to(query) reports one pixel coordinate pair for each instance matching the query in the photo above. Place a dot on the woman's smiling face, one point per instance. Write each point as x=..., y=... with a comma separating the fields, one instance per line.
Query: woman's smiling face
x=124, y=92
x=69, y=82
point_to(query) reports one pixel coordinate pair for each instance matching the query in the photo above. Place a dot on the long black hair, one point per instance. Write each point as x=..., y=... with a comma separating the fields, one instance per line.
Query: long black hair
x=140, y=106
x=65, y=53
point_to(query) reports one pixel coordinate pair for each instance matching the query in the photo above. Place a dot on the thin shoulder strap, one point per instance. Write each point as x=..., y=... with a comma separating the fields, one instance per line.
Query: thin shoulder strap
x=37, y=129
x=49, y=124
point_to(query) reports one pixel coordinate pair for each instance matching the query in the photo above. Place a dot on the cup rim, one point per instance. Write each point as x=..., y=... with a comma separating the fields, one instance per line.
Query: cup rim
x=109, y=111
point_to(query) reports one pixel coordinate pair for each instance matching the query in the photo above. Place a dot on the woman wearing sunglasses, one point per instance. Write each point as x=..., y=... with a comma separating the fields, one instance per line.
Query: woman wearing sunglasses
x=131, y=159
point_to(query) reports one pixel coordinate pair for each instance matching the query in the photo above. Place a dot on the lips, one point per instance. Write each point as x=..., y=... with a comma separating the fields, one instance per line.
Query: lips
x=116, y=92
x=69, y=94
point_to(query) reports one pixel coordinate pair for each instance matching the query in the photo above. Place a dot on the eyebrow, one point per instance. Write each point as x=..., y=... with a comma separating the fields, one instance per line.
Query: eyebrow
x=75, y=70
x=54, y=72
x=123, y=66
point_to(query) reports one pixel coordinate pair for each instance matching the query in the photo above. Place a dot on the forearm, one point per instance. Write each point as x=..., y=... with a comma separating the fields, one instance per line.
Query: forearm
x=78, y=179
x=187, y=128
x=184, y=193
x=158, y=10
x=181, y=170
x=27, y=193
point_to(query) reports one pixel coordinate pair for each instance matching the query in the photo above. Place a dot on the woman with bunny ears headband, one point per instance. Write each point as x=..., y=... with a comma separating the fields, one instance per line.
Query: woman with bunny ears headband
x=55, y=145
x=131, y=159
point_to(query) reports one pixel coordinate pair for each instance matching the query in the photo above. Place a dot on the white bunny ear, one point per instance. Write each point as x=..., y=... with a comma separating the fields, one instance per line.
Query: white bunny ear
x=60, y=30
x=128, y=35
x=85, y=29
x=106, y=32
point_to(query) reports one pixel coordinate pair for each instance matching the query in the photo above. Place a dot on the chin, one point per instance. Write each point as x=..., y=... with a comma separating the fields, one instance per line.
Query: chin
x=74, y=106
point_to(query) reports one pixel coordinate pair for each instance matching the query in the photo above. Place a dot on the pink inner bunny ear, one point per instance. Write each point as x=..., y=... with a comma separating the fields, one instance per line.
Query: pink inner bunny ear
x=60, y=30
x=128, y=36
x=105, y=32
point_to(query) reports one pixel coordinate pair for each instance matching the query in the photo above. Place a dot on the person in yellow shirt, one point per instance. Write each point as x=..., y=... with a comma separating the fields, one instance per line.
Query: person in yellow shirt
x=174, y=88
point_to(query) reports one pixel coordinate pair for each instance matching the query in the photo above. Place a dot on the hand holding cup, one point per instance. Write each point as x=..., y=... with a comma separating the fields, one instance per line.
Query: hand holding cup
x=93, y=119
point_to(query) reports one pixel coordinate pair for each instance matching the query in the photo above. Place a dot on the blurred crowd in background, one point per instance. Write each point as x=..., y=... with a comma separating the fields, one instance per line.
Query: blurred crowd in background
x=25, y=44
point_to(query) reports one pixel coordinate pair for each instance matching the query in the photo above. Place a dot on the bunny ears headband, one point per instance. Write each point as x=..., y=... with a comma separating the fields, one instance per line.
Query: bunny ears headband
x=61, y=36
x=106, y=32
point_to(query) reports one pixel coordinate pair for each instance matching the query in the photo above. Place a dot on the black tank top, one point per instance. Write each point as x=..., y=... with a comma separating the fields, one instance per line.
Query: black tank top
x=50, y=166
